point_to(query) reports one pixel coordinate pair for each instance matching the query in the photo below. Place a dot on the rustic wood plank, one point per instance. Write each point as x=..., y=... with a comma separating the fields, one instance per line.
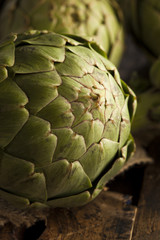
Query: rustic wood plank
x=10, y=232
x=110, y=216
x=6, y=232
x=147, y=224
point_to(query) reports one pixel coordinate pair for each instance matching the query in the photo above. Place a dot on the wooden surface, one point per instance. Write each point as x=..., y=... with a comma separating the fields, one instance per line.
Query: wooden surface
x=147, y=224
x=110, y=216
x=9, y=232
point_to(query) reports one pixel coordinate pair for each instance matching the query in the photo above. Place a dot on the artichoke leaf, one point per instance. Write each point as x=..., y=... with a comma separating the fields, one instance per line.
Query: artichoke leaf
x=98, y=156
x=34, y=142
x=17, y=176
x=7, y=54
x=3, y=73
x=52, y=39
x=17, y=201
x=58, y=113
x=65, y=179
x=71, y=201
x=73, y=66
x=90, y=130
x=34, y=60
x=41, y=88
x=70, y=145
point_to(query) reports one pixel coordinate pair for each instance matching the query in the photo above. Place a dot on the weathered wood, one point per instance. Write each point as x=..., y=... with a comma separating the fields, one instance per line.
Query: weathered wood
x=6, y=232
x=110, y=217
x=10, y=232
x=147, y=224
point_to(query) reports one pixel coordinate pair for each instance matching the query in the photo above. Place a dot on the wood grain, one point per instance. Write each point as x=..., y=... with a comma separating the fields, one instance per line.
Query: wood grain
x=147, y=224
x=110, y=216
x=10, y=232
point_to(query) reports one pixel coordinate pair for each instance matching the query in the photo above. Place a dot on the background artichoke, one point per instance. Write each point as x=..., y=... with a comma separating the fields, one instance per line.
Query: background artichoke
x=146, y=124
x=65, y=119
x=101, y=19
x=143, y=18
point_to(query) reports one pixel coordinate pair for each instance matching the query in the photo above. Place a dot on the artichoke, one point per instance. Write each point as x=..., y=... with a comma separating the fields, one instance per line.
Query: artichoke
x=100, y=19
x=65, y=119
x=144, y=19
x=146, y=124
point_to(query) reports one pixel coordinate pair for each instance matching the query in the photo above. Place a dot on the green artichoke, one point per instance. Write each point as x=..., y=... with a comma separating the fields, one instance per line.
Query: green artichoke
x=65, y=119
x=100, y=19
x=146, y=124
x=144, y=19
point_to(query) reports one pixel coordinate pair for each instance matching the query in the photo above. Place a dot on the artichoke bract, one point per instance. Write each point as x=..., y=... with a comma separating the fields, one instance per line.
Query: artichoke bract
x=100, y=19
x=65, y=120
x=146, y=124
x=144, y=19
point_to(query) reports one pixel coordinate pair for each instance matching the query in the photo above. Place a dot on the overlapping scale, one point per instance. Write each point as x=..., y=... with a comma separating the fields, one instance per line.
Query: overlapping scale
x=101, y=20
x=64, y=121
